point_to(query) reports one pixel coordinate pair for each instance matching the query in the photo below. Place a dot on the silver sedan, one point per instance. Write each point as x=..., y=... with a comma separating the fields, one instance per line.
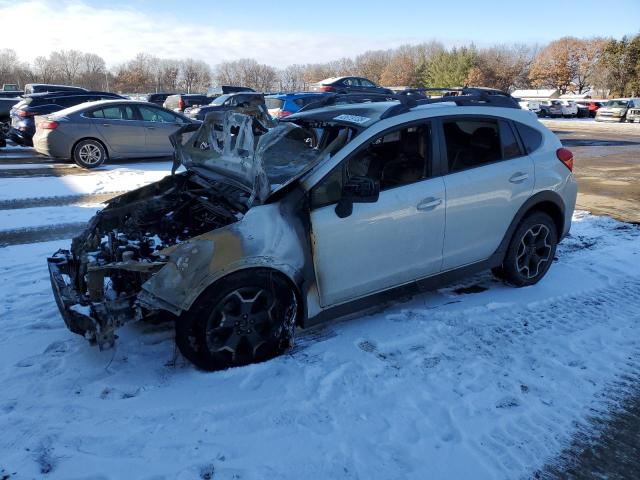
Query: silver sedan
x=93, y=132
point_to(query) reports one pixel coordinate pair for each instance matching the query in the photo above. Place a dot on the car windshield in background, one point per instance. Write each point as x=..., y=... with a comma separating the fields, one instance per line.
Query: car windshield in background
x=617, y=103
x=220, y=100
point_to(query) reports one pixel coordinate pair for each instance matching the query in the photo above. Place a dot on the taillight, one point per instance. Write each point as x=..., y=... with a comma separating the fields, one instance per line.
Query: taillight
x=566, y=157
x=24, y=113
x=181, y=104
x=326, y=88
x=48, y=125
x=283, y=113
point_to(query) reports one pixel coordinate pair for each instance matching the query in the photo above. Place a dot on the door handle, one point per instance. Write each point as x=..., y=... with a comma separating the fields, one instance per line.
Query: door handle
x=429, y=204
x=518, y=177
x=151, y=128
x=106, y=124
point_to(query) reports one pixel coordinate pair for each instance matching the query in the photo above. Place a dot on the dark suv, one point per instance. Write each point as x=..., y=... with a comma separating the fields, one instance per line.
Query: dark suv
x=30, y=88
x=23, y=125
x=181, y=101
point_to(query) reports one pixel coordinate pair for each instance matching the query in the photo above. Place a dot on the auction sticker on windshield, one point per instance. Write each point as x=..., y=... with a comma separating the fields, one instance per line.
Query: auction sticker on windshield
x=352, y=118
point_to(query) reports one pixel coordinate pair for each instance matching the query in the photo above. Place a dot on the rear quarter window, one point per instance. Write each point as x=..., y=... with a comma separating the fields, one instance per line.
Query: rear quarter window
x=301, y=102
x=531, y=138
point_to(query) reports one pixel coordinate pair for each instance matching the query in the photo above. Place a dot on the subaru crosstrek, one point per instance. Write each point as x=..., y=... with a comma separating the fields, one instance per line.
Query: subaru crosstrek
x=272, y=229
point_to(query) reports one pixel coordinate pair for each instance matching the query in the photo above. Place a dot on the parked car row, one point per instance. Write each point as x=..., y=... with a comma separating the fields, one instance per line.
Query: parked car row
x=620, y=110
x=23, y=113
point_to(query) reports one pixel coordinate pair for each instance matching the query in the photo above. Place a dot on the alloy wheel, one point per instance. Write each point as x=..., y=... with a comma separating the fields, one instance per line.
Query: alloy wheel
x=90, y=154
x=534, y=251
x=242, y=322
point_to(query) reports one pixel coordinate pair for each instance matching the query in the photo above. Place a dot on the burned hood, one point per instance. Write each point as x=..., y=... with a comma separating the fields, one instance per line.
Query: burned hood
x=240, y=149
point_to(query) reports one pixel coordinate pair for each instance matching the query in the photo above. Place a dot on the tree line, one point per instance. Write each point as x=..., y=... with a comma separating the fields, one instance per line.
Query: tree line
x=569, y=64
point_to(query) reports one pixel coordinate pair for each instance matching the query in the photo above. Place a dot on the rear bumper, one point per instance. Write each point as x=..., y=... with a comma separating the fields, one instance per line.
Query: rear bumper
x=94, y=320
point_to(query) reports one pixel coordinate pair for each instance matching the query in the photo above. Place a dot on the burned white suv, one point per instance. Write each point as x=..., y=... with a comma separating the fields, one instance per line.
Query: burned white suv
x=344, y=205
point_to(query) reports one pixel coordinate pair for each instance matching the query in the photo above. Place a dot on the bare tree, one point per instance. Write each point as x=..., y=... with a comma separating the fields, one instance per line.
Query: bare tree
x=247, y=72
x=67, y=63
x=43, y=70
x=92, y=72
x=195, y=75
x=291, y=79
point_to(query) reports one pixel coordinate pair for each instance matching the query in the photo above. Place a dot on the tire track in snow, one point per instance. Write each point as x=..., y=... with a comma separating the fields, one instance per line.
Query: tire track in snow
x=40, y=234
x=59, y=200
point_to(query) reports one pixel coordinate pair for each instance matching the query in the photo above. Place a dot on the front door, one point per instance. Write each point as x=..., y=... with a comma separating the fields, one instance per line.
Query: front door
x=384, y=244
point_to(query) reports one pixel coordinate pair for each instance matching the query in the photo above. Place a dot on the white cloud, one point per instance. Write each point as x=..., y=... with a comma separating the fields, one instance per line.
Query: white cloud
x=38, y=27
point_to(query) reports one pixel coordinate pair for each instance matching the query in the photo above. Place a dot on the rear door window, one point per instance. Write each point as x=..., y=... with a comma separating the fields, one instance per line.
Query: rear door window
x=112, y=113
x=150, y=114
x=471, y=142
x=510, y=145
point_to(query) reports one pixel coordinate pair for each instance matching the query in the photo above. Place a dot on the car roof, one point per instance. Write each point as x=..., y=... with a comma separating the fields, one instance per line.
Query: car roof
x=296, y=95
x=70, y=93
x=98, y=103
x=334, y=79
x=364, y=115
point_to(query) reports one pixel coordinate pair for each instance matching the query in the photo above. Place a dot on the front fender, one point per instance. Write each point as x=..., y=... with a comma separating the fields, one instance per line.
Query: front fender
x=267, y=237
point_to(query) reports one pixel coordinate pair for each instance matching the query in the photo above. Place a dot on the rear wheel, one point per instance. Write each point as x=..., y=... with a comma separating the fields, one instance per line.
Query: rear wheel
x=89, y=154
x=244, y=318
x=530, y=251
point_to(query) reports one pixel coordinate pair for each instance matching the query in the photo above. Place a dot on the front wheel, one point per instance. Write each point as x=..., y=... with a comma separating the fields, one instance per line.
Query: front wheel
x=89, y=154
x=530, y=251
x=244, y=318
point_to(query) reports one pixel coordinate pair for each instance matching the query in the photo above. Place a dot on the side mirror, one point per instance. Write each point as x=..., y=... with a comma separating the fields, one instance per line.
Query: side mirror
x=357, y=190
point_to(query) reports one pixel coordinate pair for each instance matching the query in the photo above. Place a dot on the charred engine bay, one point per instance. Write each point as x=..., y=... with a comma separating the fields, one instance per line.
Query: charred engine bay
x=121, y=240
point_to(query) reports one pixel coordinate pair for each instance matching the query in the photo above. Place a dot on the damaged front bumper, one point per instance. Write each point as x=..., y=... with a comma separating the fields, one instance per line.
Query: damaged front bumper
x=94, y=318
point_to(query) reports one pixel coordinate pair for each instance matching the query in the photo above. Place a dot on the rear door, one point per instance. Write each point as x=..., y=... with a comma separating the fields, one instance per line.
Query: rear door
x=158, y=125
x=489, y=178
x=123, y=134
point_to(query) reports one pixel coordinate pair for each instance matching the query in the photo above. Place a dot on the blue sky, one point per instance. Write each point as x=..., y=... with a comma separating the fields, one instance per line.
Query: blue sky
x=287, y=31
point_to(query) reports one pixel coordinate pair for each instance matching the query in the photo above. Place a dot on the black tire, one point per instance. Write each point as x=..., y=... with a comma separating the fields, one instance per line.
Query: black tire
x=531, y=251
x=260, y=310
x=89, y=153
x=5, y=126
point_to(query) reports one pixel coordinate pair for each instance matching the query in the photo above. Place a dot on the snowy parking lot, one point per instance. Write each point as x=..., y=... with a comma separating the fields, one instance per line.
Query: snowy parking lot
x=474, y=380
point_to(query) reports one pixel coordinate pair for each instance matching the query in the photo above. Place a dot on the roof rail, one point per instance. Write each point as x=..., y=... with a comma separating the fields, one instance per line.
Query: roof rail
x=462, y=97
x=346, y=98
x=465, y=97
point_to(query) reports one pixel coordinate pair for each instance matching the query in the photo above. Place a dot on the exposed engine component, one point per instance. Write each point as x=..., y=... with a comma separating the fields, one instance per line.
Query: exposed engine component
x=118, y=252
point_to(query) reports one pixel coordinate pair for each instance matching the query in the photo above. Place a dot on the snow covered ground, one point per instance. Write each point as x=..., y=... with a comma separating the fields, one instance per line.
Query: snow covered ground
x=112, y=178
x=475, y=380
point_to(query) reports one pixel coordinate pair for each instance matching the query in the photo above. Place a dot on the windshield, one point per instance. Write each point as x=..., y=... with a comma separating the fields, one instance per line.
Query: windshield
x=220, y=100
x=617, y=103
x=241, y=149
